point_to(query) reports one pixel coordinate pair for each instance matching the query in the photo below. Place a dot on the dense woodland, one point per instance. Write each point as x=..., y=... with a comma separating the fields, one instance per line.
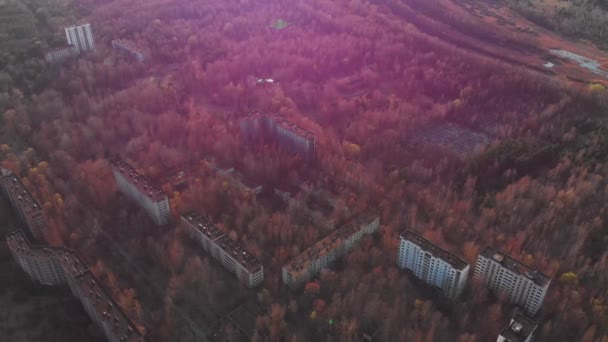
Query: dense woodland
x=577, y=18
x=364, y=81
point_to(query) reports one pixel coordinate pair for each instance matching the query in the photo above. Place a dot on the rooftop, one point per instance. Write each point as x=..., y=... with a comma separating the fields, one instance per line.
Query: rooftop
x=107, y=310
x=126, y=44
x=142, y=183
x=18, y=242
x=64, y=48
x=328, y=243
x=77, y=25
x=519, y=329
x=435, y=250
x=237, y=252
x=281, y=121
x=12, y=184
x=223, y=241
x=516, y=266
x=203, y=225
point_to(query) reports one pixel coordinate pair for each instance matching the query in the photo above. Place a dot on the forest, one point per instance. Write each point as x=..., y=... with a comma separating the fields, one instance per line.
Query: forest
x=587, y=19
x=365, y=82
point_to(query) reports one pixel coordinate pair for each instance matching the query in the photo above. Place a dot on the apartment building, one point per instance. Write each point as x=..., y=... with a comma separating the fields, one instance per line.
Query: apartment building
x=129, y=48
x=28, y=210
x=247, y=268
x=306, y=265
x=520, y=329
x=38, y=263
x=139, y=190
x=433, y=265
x=59, y=55
x=81, y=37
x=55, y=266
x=102, y=309
x=287, y=135
x=521, y=284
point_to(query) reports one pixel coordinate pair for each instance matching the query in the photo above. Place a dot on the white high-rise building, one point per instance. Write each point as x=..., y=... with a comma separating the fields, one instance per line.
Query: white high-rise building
x=432, y=264
x=137, y=188
x=520, y=329
x=521, y=284
x=81, y=37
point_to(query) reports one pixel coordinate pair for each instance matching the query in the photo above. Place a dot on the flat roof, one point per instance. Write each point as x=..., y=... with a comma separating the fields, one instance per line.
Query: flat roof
x=203, y=225
x=63, y=48
x=77, y=25
x=221, y=240
x=237, y=252
x=72, y=262
x=435, y=250
x=281, y=121
x=18, y=242
x=26, y=202
x=328, y=243
x=127, y=45
x=516, y=266
x=106, y=309
x=519, y=329
x=140, y=181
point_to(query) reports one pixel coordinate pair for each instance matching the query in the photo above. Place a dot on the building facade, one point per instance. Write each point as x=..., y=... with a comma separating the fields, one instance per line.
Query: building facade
x=432, y=264
x=247, y=268
x=139, y=190
x=81, y=37
x=28, y=210
x=38, y=263
x=306, y=265
x=520, y=329
x=61, y=54
x=129, y=48
x=54, y=266
x=287, y=135
x=521, y=284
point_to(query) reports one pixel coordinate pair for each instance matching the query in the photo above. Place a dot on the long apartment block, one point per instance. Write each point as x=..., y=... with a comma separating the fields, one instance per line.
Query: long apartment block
x=247, y=268
x=287, y=135
x=129, y=48
x=139, y=189
x=433, y=265
x=55, y=266
x=28, y=210
x=522, y=284
x=323, y=253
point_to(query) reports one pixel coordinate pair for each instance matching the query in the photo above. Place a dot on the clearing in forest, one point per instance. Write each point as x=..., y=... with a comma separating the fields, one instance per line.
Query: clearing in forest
x=459, y=140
